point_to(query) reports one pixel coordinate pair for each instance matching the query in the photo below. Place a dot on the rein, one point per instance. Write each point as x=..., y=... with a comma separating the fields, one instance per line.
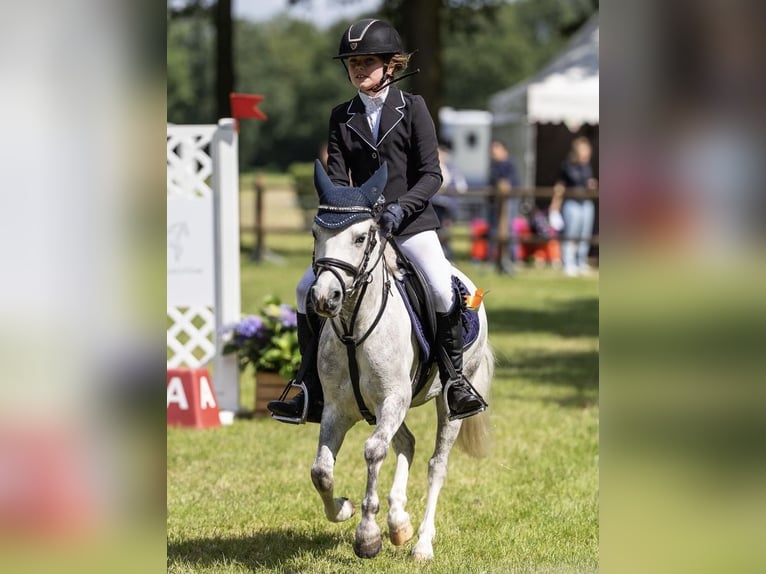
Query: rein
x=361, y=277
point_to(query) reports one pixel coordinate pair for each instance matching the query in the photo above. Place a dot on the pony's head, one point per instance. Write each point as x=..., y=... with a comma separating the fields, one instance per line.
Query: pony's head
x=345, y=236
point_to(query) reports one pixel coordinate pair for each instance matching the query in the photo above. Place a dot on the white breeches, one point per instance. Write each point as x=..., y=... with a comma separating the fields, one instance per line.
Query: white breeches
x=425, y=251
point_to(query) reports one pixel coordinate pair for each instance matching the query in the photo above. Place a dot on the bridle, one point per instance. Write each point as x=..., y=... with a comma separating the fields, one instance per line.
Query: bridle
x=361, y=279
x=360, y=275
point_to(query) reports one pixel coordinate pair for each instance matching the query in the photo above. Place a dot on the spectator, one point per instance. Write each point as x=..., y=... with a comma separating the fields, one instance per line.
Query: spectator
x=503, y=177
x=577, y=211
x=445, y=202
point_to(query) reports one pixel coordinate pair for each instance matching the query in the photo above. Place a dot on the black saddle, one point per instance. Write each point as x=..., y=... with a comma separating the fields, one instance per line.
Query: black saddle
x=420, y=307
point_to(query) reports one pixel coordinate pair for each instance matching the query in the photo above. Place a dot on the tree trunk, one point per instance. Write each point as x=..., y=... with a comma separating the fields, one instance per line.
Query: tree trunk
x=421, y=31
x=224, y=58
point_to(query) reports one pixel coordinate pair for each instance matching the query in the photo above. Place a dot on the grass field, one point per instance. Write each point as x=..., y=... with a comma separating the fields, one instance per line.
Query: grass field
x=240, y=498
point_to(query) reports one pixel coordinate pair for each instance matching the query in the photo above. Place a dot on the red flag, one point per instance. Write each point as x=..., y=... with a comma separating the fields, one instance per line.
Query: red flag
x=246, y=106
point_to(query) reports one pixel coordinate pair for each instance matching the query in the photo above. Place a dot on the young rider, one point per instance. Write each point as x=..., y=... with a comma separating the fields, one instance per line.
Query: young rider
x=384, y=124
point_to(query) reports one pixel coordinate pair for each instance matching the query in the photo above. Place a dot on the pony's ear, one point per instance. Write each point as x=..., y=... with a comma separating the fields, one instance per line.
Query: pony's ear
x=374, y=186
x=322, y=181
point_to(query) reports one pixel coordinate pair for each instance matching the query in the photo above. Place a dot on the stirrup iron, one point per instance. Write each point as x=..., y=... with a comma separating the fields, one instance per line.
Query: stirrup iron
x=455, y=416
x=294, y=420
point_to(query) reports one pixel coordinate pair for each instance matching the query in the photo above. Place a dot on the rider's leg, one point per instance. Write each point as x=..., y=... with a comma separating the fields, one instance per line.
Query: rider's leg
x=309, y=326
x=424, y=250
x=462, y=400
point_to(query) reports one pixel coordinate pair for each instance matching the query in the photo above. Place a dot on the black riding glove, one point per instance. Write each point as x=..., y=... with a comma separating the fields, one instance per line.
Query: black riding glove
x=391, y=218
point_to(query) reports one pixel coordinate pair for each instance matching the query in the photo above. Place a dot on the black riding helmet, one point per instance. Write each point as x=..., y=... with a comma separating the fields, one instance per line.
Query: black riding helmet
x=369, y=36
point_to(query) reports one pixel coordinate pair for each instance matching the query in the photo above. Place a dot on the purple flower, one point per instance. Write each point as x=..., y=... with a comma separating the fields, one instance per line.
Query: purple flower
x=288, y=317
x=250, y=326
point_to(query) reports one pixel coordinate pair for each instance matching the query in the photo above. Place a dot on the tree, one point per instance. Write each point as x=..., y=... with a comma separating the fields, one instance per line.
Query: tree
x=190, y=71
x=217, y=12
x=424, y=24
x=486, y=47
x=224, y=57
x=288, y=62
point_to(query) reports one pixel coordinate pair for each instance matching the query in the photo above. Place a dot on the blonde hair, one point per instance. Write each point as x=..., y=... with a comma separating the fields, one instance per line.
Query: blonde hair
x=399, y=61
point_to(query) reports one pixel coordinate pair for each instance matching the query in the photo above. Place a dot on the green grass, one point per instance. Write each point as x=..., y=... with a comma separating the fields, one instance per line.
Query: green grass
x=240, y=498
x=268, y=178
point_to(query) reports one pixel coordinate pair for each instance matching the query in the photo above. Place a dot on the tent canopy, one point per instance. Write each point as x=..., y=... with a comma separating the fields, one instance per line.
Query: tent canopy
x=565, y=91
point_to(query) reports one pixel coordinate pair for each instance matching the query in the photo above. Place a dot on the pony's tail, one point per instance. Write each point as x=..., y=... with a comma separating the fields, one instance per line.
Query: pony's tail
x=474, y=437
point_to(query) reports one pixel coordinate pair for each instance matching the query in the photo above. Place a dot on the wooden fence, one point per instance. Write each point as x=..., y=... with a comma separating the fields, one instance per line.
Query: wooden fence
x=473, y=204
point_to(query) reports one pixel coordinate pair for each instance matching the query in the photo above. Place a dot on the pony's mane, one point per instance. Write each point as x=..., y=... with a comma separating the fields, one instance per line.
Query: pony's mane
x=389, y=256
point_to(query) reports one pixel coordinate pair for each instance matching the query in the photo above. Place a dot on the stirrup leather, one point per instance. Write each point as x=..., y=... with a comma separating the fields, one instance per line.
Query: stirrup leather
x=456, y=416
x=294, y=420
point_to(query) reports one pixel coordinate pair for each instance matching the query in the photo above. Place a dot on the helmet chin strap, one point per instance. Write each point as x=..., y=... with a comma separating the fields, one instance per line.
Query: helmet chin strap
x=389, y=79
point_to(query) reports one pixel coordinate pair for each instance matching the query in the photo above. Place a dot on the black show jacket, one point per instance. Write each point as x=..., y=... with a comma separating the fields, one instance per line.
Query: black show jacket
x=406, y=141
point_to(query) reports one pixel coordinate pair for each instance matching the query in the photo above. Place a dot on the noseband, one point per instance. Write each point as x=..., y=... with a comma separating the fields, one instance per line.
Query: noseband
x=361, y=277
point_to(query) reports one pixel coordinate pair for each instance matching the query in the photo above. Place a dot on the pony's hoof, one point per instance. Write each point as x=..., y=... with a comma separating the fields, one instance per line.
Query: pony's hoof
x=401, y=535
x=421, y=557
x=344, y=509
x=368, y=549
x=423, y=552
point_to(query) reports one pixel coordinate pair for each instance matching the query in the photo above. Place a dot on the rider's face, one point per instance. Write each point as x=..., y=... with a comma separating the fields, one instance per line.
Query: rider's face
x=365, y=72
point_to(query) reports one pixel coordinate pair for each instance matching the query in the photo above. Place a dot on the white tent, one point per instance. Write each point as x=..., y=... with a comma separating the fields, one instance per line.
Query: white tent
x=564, y=92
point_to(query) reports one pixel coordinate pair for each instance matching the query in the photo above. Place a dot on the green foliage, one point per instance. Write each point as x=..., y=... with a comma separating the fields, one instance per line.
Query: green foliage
x=303, y=183
x=506, y=58
x=191, y=71
x=267, y=341
x=289, y=62
x=487, y=46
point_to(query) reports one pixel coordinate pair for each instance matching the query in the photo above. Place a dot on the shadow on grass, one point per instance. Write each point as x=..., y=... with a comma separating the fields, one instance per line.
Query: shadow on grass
x=571, y=318
x=568, y=378
x=266, y=548
x=577, y=369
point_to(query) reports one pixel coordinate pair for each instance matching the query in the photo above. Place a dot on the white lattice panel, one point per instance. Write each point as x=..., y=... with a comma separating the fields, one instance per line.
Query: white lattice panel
x=190, y=336
x=202, y=167
x=190, y=340
x=189, y=166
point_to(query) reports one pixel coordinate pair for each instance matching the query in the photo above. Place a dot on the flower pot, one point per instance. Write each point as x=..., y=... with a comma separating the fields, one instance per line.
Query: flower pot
x=268, y=387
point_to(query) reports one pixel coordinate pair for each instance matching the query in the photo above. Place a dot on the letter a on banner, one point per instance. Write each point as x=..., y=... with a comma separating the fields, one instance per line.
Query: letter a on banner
x=207, y=398
x=176, y=394
x=191, y=399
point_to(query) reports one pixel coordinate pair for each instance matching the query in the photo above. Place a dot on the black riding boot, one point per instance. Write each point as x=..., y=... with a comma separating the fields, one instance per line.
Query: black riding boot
x=308, y=341
x=462, y=400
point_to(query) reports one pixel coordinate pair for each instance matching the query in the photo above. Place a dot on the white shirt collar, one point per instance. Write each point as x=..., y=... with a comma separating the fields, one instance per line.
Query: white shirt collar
x=376, y=102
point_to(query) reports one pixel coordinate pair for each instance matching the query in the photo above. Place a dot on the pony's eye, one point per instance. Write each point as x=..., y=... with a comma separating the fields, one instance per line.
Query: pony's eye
x=359, y=240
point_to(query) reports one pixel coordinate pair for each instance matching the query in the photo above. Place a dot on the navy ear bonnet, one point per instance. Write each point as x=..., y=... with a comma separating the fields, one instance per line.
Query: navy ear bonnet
x=341, y=206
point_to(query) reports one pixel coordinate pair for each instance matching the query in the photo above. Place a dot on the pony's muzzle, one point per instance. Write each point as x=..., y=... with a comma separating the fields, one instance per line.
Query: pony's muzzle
x=326, y=302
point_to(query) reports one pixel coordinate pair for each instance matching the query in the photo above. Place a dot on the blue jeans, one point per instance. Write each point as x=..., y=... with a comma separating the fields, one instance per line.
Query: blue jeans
x=578, y=217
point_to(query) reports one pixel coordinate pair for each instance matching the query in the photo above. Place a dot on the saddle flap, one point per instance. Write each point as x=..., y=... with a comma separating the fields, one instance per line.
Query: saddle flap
x=419, y=304
x=418, y=297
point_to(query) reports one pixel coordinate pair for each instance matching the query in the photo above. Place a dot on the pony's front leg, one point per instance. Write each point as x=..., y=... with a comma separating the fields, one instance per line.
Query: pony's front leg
x=331, y=434
x=400, y=528
x=367, y=542
x=446, y=434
